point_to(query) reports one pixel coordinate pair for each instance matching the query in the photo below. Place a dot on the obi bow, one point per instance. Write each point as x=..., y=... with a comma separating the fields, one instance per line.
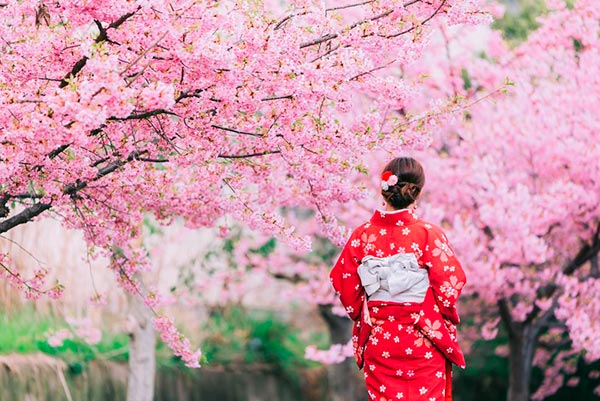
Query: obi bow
x=396, y=278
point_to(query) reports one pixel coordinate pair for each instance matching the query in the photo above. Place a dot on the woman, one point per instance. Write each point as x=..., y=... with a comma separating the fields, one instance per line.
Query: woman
x=399, y=281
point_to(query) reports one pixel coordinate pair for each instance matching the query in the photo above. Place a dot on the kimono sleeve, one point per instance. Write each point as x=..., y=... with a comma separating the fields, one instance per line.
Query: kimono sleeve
x=345, y=280
x=446, y=275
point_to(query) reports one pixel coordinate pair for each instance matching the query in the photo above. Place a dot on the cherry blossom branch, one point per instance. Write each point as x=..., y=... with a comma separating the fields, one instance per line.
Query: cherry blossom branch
x=102, y=36
x=331, y=36
x=35, y=210
x=414, y=26
x=585, y=254
x=19, y=280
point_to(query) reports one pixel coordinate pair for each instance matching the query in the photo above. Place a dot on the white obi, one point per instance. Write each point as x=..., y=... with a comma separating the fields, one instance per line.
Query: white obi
x=396, y=278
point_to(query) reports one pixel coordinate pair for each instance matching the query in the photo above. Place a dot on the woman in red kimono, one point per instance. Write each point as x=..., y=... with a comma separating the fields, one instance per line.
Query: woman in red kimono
x=399, y=280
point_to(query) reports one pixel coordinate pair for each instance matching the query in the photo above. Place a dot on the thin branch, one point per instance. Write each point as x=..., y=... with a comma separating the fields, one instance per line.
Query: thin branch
x=21, y=280
x=330, y=36
x=327, y=53
x=235, y=131
x=250, y=155
x=21, y=247
x=412, y=28
x=314, y=197
x=151, y=160
x=319, y=40
x=371, y=71
x=277, y=98
x=349, y=6
x=142, y=55
x=287, y=18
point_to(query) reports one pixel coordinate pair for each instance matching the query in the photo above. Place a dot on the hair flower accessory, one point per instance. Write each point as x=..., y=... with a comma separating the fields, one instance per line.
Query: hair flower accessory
x=388, y=179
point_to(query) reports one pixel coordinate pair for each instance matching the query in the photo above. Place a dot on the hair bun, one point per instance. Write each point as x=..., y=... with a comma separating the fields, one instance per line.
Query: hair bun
x=408, y=190
x=411, y=179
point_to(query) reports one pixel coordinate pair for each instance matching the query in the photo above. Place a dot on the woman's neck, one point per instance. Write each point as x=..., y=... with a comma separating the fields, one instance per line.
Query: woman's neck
x=390, y=208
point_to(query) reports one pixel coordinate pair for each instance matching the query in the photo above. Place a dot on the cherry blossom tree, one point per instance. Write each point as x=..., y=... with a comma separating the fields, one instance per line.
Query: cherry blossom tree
x=517, y=184
x=114, y=109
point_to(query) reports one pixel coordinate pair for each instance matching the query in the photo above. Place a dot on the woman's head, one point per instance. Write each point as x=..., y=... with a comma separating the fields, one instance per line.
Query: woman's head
x=402, y=192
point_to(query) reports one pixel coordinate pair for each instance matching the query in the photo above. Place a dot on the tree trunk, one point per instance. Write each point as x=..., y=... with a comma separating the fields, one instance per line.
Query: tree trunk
x=344, y=380
x=521, y=341
x=142, y=344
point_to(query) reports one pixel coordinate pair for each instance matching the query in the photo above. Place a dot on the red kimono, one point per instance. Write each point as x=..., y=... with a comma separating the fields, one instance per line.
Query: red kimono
x=406, y=348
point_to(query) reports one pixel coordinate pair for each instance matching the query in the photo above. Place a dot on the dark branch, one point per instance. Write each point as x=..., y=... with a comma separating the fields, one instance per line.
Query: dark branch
x=24, y=216
x=123, y=18
x=584, y=255
x=264, y=99
x=295, y=279
x=72, y=189
x=102, y=36
x=235, y=131
x=144, y=115
x=58, y=151
x=506, y=317
x=188, y=94
x=249, y=155
x=150, y=160
x=35, y=210
x=74, y=71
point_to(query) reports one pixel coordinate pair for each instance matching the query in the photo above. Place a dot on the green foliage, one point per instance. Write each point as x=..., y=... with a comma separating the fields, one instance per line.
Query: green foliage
x=267, y=248
x=26, y=332
x=237, y=336
x=486, y=376
x=464, y=74
x=23, y=332
x=516, y=25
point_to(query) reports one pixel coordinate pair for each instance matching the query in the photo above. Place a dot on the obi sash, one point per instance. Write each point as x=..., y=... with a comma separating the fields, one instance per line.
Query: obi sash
x=386, y=288
x=397, y=278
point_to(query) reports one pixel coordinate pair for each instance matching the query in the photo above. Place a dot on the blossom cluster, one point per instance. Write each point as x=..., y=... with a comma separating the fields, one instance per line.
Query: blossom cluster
x=177, y=342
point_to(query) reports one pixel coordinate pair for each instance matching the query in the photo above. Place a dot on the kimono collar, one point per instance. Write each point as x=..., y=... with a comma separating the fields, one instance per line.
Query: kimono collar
x=400, y=217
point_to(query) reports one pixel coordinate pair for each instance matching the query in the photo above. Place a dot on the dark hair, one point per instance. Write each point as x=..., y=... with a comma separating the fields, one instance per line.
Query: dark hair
x=411, y=179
